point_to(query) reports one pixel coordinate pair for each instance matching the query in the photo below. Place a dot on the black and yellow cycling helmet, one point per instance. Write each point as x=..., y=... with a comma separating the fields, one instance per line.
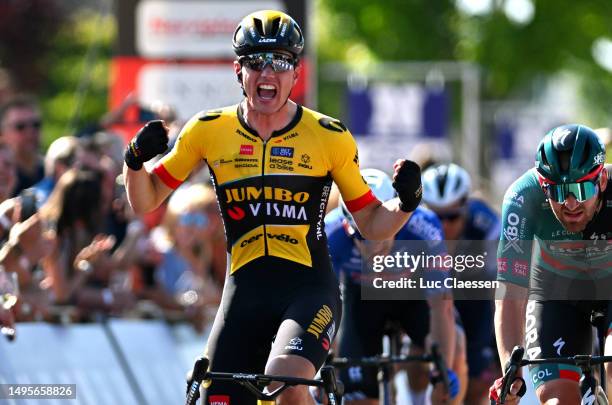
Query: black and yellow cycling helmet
x=268, y=30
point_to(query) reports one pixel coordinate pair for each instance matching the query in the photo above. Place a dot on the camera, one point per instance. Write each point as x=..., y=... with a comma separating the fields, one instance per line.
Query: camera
x=29, y=204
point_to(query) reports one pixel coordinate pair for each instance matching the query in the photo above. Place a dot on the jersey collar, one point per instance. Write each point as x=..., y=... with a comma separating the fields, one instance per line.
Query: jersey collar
x=296, y=118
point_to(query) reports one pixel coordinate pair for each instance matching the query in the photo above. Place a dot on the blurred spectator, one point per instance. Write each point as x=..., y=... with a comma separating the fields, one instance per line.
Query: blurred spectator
x=8, y=175
x=80, y=267
x=184, y=277
x=20, y=123
x=59, y=158
x=7, y=323
x=111, y=145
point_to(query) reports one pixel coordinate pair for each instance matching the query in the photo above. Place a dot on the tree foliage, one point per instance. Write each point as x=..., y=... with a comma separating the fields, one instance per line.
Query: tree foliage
x=513, y=56
x=61, y=54
x=78, y=74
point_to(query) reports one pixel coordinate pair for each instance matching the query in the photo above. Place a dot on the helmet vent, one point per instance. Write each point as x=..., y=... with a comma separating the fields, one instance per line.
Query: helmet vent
x=564, y=160
x=258, y=26
x=585, y=154
x=275, y=25
x=543, y=158
x=457, y=186
x=442, y=181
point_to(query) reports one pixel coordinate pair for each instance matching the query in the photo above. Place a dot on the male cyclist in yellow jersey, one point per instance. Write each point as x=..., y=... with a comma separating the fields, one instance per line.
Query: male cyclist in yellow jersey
x=272, y=163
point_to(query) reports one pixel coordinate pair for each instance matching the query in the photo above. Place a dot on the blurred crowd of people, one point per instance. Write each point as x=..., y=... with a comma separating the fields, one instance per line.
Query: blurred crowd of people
x=79, y=251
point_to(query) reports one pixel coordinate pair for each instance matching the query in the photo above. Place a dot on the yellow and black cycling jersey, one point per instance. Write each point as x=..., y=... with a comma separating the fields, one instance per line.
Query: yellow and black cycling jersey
x=272, y=194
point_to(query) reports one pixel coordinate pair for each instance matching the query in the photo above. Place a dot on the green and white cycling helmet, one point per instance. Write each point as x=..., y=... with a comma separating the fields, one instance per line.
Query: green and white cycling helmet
x=382, y=187
x=570, y=160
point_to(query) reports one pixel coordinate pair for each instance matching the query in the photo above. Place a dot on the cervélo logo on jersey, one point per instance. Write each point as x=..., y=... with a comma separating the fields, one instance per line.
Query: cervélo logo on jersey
x=283, y=237
x=270, y=201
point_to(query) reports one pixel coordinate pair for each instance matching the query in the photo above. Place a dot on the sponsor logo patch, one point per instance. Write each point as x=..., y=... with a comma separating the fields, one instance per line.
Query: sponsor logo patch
x=520, y=268
x=282, y=151
x=236, y=213
x=219, y=400
x=502, y=265
x=246, y=149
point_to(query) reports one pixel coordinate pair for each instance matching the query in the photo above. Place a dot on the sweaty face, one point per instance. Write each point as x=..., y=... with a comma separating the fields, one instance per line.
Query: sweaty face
x=267, y=90
x=574, y=215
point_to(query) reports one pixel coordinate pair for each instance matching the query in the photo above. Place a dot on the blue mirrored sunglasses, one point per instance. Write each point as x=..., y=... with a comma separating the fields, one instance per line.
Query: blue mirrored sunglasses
x=259, y=61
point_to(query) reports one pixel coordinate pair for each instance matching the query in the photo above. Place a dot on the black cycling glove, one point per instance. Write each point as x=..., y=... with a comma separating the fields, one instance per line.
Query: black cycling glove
x=407, y=183
x=150, y=141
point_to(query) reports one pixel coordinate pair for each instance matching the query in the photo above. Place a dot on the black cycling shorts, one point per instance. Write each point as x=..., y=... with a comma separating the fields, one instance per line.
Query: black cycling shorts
x=247, y=329
x=559, y=329
x=477, y=321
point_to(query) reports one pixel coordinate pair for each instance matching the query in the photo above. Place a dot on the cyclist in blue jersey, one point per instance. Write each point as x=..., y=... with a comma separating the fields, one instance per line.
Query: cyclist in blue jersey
x=446, y=191
x=554, y=261
x=364, y=321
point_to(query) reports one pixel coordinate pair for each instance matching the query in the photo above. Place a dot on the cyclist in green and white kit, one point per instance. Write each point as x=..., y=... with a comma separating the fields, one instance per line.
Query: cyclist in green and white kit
x=561, y=211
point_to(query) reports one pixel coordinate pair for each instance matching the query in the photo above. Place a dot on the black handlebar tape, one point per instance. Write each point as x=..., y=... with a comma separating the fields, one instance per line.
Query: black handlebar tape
x=512, y=367
x=439, y=365
x=197, y=376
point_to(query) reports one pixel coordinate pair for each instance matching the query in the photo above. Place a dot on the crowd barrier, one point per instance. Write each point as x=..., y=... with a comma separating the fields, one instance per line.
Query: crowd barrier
x=116, y=362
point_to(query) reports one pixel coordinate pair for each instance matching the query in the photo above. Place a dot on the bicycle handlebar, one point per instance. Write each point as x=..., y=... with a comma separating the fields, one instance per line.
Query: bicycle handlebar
x=516, y=362
x=512, y=367
x=378, y=360
x=197, y=376
x=440, y=366
x=381, y=360
x=252, y=381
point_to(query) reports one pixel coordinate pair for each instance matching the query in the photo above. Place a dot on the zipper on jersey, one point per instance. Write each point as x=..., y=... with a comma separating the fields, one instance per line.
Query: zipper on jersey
x=263, y=194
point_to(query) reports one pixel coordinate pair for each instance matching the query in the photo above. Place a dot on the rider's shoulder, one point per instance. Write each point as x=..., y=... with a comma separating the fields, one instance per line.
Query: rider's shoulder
x=215, y=115
x=524, y=190
x=323, y=123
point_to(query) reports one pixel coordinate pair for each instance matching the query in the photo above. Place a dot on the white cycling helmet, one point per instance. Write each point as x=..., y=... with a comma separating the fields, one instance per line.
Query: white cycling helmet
x=380, y=184
x=445, y=185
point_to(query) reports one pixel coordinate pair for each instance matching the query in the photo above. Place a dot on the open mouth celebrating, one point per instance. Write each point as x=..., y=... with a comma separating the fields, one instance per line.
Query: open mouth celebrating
x=266, y=91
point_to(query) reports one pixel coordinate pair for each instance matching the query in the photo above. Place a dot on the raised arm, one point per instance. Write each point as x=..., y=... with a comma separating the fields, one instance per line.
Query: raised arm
x=145, y=191
x=382, y=221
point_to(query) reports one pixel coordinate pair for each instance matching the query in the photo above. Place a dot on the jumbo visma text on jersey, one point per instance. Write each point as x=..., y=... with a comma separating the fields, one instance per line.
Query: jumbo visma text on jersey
x=272, y=194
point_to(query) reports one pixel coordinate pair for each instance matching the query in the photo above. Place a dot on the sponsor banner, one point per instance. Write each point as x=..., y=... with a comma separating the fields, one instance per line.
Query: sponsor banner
x=193, y=29
x=188, y=88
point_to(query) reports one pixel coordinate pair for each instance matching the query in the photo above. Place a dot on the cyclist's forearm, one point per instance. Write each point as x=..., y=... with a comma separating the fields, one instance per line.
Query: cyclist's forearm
x=509, y=326
x=442, y=328
x=379, y=222
x=142, y=192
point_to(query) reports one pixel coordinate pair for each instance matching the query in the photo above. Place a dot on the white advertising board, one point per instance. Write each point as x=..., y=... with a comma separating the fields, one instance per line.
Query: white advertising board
x=189, y=88
x=191, y=29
